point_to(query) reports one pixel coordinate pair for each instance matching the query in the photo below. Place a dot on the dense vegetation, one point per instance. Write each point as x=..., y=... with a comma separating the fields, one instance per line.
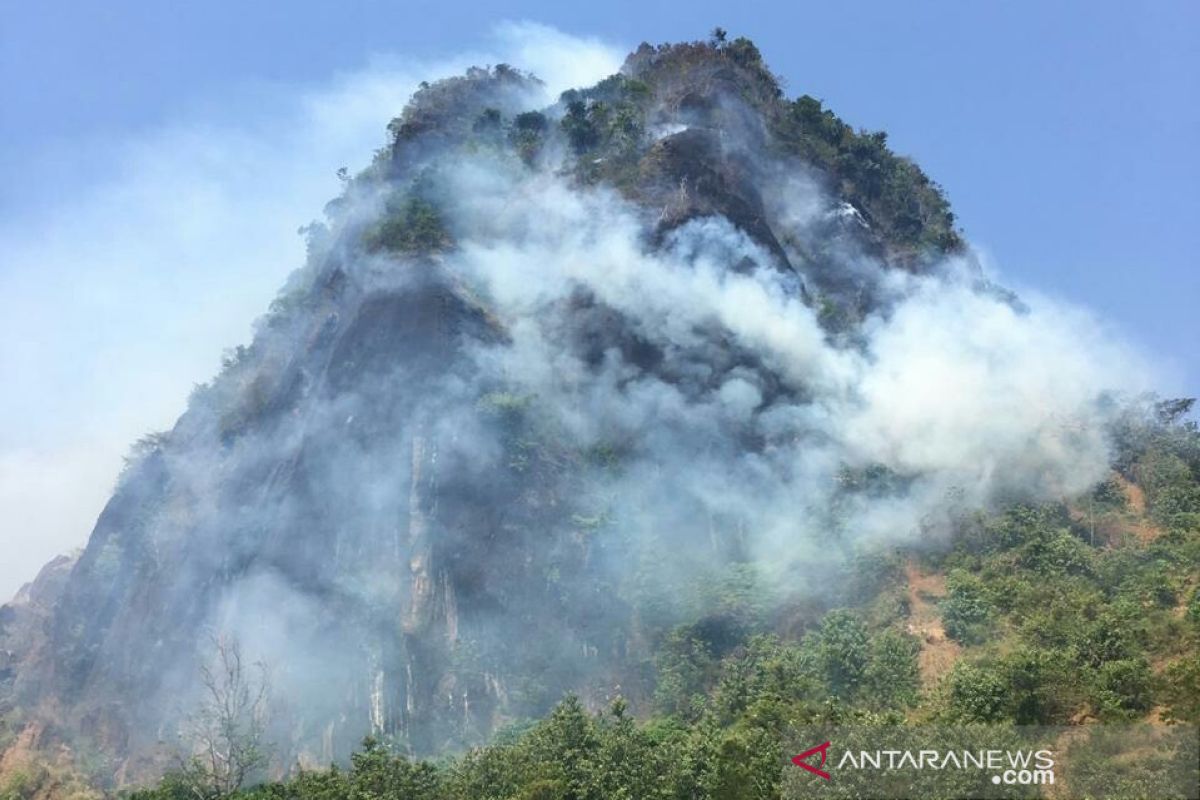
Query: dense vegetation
x=1063, y=614
x=908, y=212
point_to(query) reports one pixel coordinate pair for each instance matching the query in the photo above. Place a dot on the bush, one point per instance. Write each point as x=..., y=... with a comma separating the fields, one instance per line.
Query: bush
x=892, y=678
x=1180, y=691
x=966, y=609
x=410, y=225
x=1123, y=687
x=977, y=694
x=841, y=647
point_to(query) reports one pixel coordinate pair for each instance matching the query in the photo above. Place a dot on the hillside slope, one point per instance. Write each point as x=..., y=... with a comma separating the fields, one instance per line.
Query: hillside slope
x=1057, y=615
x=589, y=398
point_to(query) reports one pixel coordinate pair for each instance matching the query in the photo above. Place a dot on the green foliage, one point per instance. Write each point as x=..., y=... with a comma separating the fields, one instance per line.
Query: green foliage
x=605, y=127
x=892, y=678
x=453, y=106
x=738, y=599
x=580, y=126
x=1153, y=425
x=1108, y=494
x=174, y=786
x=410, y=225
x=1040, y=689
x=1193, y=609
x=684, y=667
x=377, y=774
x=891, y=191
x=1123, y=687
x=143, y=448
x=1055, y=552
x=977, y=694
x=1163, y=765
x=841, y=650
x=966, y=609
x=766, y=670
x=1170, y=485
x=489, y=122
x=1112, y=636
x=528, y=133
x=1049, y=630
x=1180, y=691
x=20, y=783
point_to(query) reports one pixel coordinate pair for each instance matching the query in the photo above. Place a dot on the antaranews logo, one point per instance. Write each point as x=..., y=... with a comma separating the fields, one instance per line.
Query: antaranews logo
x=801, y=760
x=1009, y=767
x=1101, y=762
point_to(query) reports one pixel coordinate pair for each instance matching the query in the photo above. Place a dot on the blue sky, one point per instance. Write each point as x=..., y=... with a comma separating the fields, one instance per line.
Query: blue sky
x=159, y=157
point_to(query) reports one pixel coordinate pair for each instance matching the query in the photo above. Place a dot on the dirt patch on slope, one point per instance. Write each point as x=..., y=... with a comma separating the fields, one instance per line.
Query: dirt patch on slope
x=938, y=652
x=1141, y=526
x=1111, y=527
x=32, y=770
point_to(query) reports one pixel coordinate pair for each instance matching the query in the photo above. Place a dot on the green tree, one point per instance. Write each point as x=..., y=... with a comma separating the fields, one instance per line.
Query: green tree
x=966, y=609
x=684, y=665
x=977, y=694
x=892, y=678
x=841, y=648
x=1193, y=609
x=1180, y=691
x=1123, y=687
x=378, y=774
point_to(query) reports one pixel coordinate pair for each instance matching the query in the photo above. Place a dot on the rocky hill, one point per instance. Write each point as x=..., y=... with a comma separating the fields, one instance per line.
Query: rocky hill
x=556, y=383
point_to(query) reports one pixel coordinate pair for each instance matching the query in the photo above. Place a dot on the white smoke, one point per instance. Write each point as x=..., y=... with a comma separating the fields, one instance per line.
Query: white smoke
x=743, y=418
x=118, y=297
x=969, y=396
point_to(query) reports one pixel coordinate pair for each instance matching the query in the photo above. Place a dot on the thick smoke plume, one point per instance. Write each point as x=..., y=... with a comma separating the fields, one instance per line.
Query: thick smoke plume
x=965, y=395
x=187, y=233
x=740, y=430
x=512, y=422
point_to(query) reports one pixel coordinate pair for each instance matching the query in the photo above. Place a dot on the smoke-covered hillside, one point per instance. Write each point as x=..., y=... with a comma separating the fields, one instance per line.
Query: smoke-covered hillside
x=554, y=381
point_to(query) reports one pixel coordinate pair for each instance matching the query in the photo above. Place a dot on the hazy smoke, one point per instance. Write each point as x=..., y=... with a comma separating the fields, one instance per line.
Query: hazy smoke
x=346, y=500
x=151, y=270
x=744, y=428
x=965, y=394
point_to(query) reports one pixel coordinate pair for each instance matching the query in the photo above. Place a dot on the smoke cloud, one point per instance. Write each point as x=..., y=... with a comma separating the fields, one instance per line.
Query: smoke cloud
x=446, y=483
x=967, y=395
x=744, y=432
x=121, y=292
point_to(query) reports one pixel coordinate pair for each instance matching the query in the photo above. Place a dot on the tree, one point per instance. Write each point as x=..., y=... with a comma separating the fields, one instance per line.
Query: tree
x=225, y=733
x=842, y=650
x=1193, y=609
x=976, y=694
x=1124, y=687
x=683, y=664
x=1180, y=691
x=378, y=774
x=1040, y=686
x=579, y=125
x=893, y=678
x=966, y=609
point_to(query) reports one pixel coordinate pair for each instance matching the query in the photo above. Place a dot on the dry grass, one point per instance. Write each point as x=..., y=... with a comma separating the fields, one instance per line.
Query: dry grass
x=32, y=771
x=1141, y=526
x=938, y=652
x=1112, y=527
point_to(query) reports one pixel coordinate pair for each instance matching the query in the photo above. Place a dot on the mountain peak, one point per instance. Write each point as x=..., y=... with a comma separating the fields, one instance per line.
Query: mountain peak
x=559, y=376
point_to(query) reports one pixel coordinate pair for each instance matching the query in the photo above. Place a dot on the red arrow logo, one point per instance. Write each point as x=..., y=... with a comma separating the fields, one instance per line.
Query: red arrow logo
x=802, y=760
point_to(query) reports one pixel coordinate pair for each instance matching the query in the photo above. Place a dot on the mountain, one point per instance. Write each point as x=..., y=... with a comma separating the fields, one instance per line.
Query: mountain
x=557, y=382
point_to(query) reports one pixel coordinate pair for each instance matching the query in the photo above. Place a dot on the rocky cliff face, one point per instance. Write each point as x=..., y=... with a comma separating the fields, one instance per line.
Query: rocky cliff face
x=480, y=453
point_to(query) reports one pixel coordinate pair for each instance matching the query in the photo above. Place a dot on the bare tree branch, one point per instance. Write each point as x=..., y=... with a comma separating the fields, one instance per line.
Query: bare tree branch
x=225, y=733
